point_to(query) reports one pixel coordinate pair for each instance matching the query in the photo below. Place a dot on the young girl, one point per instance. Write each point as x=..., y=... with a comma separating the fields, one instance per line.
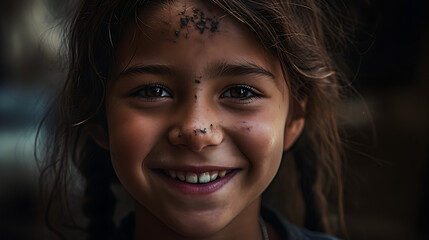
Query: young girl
x=191, y=105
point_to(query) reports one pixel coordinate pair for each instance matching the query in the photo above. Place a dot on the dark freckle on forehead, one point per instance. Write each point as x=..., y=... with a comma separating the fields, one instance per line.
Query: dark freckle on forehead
x=199, y=20
x=214, y=26
x=184, y=21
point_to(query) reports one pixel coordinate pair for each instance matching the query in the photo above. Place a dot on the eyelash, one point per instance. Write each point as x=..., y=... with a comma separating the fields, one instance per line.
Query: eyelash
x=250, y=93
x=246, y=99
x=158, y=88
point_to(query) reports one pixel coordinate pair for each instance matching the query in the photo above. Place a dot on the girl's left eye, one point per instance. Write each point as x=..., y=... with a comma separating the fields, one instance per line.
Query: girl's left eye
x=152, y=92
x=240, y=93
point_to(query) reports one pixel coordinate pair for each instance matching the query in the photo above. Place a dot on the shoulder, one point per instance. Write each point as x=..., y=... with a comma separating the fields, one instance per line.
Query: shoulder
x=289, y=231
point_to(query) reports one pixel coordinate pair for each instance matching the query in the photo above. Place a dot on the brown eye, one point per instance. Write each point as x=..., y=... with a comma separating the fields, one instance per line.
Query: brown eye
x=152, y=91
x=239, y=92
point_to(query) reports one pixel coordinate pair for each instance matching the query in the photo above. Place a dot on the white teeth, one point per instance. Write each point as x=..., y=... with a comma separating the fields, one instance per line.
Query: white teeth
x=172, y=174
x=204, y=178
x=191, y=178
x=213, y=176
x=181, y=176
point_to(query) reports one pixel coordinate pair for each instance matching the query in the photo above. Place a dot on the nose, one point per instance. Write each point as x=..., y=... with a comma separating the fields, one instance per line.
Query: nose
x=196, y=127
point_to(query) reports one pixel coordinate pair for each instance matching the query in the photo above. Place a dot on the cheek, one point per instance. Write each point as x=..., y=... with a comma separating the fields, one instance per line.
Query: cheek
x=260, y=139
x=131, y=137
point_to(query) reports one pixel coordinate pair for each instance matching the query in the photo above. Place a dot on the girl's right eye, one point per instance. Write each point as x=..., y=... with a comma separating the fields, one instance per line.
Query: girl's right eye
x=152, y=92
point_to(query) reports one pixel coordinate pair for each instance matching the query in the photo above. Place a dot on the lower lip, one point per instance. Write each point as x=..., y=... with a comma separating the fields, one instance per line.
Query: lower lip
x=200, y=188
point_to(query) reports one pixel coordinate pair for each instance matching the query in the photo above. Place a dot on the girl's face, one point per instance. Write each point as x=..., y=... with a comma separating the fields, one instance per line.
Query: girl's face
x=196, y=119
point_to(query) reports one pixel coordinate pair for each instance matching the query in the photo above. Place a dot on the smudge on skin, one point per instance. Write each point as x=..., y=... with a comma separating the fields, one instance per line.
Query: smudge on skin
x=203, y=131
x=197, y=81
x=214, y=26
x=199, y=20
x=184, y=22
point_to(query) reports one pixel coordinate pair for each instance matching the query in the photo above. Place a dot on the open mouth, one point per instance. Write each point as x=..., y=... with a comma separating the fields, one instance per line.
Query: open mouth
x=195, y=178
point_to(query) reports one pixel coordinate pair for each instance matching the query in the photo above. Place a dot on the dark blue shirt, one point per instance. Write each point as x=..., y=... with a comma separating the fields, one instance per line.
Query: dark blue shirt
x=289, y=231
x=285, y=229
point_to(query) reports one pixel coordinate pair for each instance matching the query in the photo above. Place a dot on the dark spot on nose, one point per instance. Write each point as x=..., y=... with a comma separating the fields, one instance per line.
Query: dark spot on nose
x=195, y=132
x=211, y=125
x=176, y=33
x=195, y=96
x=197, y=81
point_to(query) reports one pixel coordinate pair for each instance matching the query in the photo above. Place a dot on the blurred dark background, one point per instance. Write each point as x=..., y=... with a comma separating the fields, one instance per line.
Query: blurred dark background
x=387, y=179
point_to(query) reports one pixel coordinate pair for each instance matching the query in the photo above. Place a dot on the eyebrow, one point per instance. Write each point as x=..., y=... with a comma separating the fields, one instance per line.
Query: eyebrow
x=157, y=69
x=220, y=69
x=237, y=69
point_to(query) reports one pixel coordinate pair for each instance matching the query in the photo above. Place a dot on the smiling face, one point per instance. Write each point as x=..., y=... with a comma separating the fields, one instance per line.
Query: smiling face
x=196, y=120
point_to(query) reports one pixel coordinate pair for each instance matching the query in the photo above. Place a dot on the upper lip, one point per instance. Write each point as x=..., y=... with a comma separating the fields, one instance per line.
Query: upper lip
x=196, y=169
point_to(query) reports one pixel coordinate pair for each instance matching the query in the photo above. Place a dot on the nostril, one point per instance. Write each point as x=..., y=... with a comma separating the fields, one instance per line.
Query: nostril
x=195, y=138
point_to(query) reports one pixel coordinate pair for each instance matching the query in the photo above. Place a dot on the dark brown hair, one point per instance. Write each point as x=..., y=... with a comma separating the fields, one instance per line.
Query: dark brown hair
x=304, y=35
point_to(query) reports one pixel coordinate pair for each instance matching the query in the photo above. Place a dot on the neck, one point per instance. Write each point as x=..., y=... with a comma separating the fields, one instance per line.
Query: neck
x=243, y=226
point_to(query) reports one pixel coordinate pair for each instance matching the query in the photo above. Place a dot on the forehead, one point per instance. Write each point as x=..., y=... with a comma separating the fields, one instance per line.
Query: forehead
x=188, y=35
x=184, y=17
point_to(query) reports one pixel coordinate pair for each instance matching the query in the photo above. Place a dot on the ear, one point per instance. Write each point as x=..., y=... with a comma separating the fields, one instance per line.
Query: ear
x=99, y=134
x=295, y=124
x=292, y=131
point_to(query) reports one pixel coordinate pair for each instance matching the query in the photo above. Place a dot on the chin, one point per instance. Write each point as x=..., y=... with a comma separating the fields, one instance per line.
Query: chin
x=197, y=227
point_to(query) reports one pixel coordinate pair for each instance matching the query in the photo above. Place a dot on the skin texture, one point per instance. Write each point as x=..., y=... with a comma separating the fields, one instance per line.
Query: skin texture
x=185, y=111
